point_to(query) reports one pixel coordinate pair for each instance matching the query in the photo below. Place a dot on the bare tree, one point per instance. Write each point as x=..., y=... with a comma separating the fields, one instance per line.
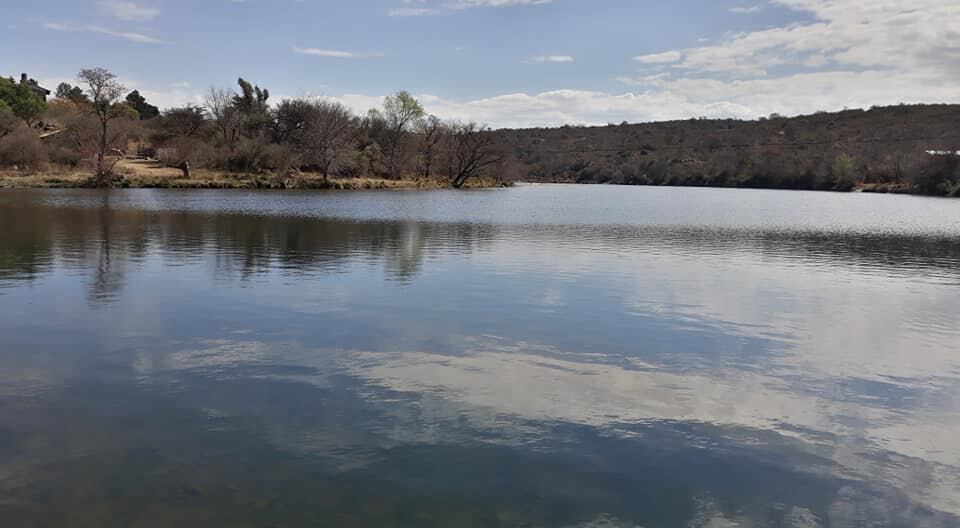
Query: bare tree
x=328, y=133
x=317, y=130
x=226, y=118
x=470, y=152
x=400, y=111
x=431, y=131
x=104, y=92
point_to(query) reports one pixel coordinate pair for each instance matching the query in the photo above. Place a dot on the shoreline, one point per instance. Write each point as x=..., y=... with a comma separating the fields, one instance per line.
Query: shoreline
x=308, y=181
x=864, y=188
x=146, y=174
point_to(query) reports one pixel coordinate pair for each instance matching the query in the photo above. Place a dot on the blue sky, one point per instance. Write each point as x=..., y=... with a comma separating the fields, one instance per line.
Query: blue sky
x=509, y=62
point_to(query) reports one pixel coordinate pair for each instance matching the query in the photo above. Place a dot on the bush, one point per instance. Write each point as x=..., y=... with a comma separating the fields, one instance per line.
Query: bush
x=279, y=158
x=938, y=175
x=350, y=165
x=842, y=171
x=256, y=156
x=8, y=120
x=196, y=152
x=61, y=155
x=23, y=149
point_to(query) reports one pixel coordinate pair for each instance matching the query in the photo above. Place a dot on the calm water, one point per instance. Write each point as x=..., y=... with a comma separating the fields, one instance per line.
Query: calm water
x=536, y=356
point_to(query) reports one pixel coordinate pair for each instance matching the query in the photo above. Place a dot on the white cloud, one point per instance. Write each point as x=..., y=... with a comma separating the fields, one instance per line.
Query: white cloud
x=128, y=10
x=168, y=96
x=856, y=33
x=553, y=58
x=745, y=10
x=659, y=58
x=83, y=28
x=337, y=54
x=662, y=97
x=854, y=53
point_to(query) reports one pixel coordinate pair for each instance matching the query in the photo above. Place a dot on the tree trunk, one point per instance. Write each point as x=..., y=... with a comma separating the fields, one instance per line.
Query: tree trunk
x=101, y=176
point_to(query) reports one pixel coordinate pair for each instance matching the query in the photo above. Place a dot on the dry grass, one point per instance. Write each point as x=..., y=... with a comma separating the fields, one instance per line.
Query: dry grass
x=152, y=174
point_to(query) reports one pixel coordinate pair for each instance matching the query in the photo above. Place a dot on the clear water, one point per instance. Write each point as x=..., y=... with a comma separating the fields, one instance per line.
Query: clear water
x=535, y=356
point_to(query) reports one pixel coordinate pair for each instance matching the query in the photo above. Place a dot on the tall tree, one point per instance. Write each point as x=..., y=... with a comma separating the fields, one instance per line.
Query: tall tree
x=317, y=130
x=371, y=130
x=401, y=111
x=219, y=104
x=184, y=121
x=104, y=92
x=293, y=116
x=140, y=104
x=431, y=131
x=328, y=133
x=21, y=100
x=253, y=107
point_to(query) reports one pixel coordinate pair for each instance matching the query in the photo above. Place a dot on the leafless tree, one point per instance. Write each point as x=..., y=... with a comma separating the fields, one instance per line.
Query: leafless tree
x=431, y=131
x=226, y=118
x=317, y=130
x=328, y=132
x=104, y=92
x=81, y=137
x=471, y=151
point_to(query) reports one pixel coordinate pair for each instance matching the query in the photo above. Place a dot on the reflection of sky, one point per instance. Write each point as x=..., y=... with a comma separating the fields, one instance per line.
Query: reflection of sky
x=835, y=352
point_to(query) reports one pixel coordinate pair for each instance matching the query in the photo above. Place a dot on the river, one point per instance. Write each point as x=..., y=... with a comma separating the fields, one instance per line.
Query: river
x=544, y=355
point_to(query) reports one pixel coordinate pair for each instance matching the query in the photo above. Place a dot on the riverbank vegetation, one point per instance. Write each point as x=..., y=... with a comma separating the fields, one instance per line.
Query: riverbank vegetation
x=93, y=135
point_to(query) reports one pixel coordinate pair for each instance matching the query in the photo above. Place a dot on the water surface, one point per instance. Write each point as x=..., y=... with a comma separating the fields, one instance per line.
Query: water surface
x=535, y=356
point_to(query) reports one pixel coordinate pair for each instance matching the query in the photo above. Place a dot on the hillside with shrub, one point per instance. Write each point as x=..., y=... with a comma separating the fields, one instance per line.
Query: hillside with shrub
x=893, y=149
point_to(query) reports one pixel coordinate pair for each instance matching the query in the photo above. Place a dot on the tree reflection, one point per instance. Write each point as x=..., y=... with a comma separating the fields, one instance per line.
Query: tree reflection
x=106, y=241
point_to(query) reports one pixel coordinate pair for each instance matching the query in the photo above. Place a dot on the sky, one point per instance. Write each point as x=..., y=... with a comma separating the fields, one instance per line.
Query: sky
x=508, y=63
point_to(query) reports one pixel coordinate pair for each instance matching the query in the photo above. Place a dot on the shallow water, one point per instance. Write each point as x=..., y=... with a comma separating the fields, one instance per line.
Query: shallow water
x=534, y=356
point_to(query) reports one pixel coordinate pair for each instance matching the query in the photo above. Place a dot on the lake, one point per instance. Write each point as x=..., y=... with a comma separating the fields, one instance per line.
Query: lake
x=534, y=356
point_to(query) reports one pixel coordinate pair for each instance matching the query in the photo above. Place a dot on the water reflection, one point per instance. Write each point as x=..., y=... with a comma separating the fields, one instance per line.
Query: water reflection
x=164, y=360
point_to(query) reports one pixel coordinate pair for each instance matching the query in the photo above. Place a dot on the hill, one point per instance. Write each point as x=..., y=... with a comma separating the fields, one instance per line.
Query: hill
x=891, y=149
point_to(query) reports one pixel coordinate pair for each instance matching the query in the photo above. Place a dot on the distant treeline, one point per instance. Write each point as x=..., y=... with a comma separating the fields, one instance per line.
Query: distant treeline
x=907, y=148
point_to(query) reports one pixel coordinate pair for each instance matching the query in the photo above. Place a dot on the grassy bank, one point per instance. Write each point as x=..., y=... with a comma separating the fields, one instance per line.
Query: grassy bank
x=150, y=174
